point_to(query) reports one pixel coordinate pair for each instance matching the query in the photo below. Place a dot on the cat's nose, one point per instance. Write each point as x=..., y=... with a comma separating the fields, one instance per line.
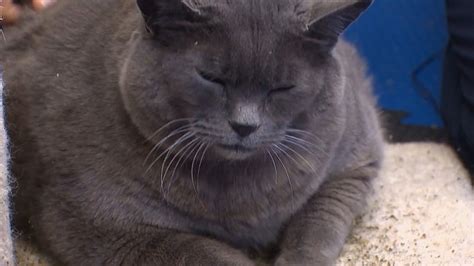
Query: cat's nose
x=243, y=130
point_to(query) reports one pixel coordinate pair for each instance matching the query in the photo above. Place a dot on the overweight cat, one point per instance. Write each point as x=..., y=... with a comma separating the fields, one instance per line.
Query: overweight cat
x=194, y=132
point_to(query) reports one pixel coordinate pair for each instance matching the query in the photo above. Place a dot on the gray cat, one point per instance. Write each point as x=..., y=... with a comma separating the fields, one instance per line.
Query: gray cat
x=194, y=132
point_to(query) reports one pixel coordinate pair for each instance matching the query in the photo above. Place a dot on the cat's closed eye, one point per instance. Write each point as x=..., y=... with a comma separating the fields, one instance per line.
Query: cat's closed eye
x=281, y=89
x=209, y=77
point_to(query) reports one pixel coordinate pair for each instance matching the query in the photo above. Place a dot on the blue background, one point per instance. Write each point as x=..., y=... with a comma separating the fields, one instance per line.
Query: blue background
x=396, y=37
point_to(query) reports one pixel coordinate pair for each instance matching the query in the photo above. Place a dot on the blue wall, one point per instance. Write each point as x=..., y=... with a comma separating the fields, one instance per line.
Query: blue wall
x=396, y=36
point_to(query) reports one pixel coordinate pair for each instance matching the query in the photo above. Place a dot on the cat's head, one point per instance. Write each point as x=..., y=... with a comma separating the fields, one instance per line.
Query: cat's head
x=238, y=74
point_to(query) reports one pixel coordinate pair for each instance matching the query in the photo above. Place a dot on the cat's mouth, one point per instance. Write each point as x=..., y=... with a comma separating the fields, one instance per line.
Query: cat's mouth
x=236, y=147
x=235, y=151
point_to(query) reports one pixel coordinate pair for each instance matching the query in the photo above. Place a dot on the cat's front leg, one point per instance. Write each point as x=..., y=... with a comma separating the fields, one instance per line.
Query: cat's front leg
x=83, y=244
x=174, y=248
x=316, y=235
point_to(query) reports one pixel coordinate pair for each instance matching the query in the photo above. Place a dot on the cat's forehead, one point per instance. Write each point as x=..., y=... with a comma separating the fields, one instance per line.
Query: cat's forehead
x=256, y=26
x=252, y=41
x=262, y=13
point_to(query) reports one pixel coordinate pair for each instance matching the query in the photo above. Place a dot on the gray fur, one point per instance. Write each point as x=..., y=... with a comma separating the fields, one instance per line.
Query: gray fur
x=88, y=86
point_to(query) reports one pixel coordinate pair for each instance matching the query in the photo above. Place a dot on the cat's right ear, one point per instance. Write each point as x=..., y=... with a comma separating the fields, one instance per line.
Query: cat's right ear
x=325, y=20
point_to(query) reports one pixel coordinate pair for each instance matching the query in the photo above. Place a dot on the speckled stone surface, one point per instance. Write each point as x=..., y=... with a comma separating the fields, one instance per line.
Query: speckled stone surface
x=6, y=257
x=421, y=213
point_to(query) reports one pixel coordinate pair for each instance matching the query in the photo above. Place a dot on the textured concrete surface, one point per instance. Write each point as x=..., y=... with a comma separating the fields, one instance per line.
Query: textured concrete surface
x=422, y=212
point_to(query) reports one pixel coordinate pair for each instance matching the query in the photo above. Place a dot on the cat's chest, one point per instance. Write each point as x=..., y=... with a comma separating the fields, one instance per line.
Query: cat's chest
x=256, y=231
x=250, y=219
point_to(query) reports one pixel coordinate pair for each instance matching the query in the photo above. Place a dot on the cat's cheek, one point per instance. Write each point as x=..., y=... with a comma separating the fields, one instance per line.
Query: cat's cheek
x=208, y=99
x=284, y=106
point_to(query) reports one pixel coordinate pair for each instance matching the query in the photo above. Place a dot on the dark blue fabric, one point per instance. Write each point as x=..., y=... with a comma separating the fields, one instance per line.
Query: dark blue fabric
x=397, y=37
x=458, y=84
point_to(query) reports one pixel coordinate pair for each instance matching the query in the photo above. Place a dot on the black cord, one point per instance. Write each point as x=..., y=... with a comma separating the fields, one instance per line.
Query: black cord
x=420, y=88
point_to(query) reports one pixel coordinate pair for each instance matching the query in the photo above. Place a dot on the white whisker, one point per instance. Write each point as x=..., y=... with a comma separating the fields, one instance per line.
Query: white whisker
x=182, y=151
x=305, y=132
x=299, y=155
x=200, y=163
x=175, y=132
x=167, y=125
x=287, y=155
x=303, y=141
x=170, y=149
x=184, y=157
x=287, y=176
x=166, y=150
x=192, y=168
x=274, y=165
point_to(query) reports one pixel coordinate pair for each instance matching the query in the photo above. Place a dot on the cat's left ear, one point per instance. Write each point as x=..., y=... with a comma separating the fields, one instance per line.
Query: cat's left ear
x=325, y=20
x=170, y=13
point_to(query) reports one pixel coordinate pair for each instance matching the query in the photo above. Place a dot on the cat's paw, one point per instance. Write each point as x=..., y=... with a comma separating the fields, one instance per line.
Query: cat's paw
x=296, y=258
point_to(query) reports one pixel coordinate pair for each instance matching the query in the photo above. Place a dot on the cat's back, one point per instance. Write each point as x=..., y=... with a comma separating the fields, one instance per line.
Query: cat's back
x=61, y=67
x=47, y=58
x=51, y=57
x=61, y=89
